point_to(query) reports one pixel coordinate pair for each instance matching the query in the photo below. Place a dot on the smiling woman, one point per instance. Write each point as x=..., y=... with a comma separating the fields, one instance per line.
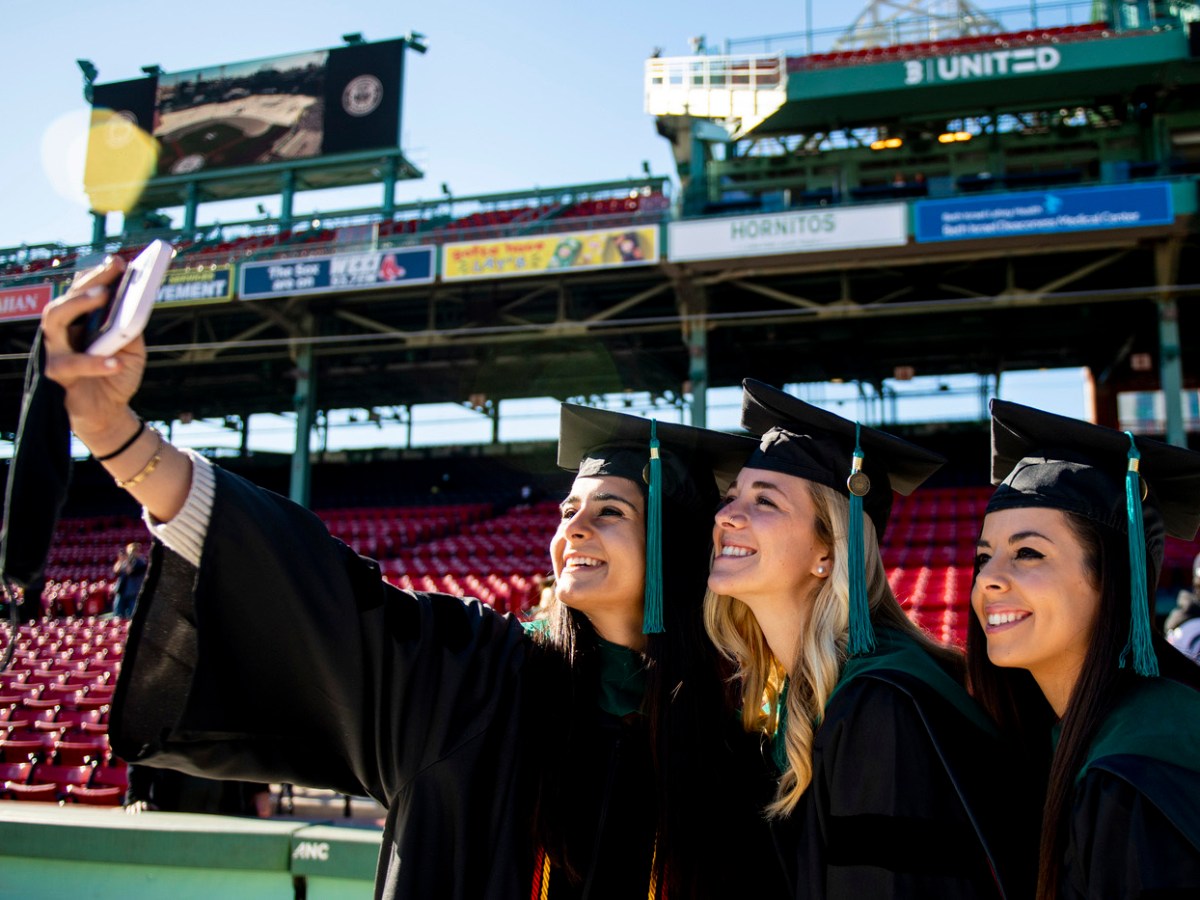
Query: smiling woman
x=599, y=556
x=1067, y=566
x=886, y=767
x=1037, y=596
x=682, y=786
x=566, y=758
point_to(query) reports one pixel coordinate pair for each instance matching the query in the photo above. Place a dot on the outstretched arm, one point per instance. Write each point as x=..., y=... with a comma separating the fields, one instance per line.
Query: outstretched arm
x=98, y=392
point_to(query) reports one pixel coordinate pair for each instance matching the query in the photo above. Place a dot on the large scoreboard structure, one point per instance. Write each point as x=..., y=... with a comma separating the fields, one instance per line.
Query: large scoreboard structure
x=275, y=126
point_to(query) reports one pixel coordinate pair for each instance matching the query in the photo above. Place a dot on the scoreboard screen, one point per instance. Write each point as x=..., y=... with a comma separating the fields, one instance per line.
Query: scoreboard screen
x=283, y=108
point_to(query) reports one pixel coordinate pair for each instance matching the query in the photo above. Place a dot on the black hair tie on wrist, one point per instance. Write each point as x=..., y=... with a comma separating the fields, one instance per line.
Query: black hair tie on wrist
x=125, y=446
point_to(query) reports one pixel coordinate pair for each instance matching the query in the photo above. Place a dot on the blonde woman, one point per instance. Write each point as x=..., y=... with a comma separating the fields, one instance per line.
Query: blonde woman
x=892, y=783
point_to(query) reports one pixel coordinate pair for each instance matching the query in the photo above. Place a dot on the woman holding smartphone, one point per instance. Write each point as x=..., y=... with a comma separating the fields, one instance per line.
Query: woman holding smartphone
x=888, y=771
x=566, y=762
x=1063, y=651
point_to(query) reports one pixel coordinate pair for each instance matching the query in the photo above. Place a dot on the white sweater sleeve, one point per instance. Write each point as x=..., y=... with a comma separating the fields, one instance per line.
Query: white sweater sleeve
x=185, y=533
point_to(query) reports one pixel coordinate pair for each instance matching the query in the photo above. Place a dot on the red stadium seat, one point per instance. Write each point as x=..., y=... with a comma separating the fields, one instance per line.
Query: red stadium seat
x=31, y=793
x=20, y=751
x=77, y=717
x=95, y=796
x=80, y=752
x=62, y=776
x=116, y=776
x=18, y=772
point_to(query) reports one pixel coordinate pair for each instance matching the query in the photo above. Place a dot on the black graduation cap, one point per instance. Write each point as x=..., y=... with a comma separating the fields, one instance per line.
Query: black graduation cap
x=602, y=442
x=1141, y=487
x=806, y=441
x=689, y=465
x=1043, y=459
x=864, y=464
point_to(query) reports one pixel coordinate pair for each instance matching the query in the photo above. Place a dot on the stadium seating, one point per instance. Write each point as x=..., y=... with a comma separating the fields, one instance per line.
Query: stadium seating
x=966, y=44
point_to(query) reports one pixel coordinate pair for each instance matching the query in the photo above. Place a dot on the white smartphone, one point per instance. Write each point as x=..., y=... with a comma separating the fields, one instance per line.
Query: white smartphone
x=127, y=313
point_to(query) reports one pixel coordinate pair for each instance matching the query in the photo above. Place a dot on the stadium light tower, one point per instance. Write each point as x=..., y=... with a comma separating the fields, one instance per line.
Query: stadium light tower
x=888, y=22
x=416, y=41
x=90, y=74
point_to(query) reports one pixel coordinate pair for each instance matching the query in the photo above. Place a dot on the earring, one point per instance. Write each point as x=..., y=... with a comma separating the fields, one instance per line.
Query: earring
x=820, y=570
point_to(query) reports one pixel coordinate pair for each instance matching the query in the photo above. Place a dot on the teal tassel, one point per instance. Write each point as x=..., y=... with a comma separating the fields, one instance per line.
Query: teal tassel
x=779, y=744
x=1144, y=661
x=862, y=633
x=652, y=613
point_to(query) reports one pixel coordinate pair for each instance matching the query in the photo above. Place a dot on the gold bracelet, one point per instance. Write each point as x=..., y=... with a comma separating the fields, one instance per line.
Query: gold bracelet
x=149, y=468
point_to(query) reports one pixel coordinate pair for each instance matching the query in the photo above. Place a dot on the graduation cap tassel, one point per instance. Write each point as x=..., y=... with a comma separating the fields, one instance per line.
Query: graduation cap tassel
x=862, y=634
x=1144, y=661
x=652, y=614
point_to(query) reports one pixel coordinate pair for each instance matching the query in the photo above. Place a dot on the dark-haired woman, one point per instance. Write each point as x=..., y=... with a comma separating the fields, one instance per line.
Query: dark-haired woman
x=591, y=760
x=1061, y=648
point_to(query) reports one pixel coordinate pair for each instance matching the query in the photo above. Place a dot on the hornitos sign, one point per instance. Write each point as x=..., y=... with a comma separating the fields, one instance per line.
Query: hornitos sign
x=802, y=231
x=989, y=64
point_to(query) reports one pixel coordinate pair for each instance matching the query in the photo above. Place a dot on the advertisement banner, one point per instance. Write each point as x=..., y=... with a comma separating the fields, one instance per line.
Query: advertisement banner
x=343, y=272
x=24, y=302
x=544, y=254
x=1044, y=212
x=186, y=287
x=802, y=231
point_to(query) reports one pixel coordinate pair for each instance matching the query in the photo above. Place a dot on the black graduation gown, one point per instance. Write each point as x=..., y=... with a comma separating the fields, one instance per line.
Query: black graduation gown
x=285, y=657
x=1134, y=830
x=905, y=796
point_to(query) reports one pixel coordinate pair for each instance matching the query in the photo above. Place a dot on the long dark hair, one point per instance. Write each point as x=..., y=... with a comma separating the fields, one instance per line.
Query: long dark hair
x=1013, y=699
x=686, y=699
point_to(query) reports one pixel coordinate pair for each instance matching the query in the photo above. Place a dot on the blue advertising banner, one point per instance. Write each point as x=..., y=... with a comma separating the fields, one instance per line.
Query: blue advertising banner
x=343, y=272
x=1043, y=212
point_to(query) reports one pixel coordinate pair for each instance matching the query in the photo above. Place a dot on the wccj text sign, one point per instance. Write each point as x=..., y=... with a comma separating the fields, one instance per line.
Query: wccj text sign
x=342, y=272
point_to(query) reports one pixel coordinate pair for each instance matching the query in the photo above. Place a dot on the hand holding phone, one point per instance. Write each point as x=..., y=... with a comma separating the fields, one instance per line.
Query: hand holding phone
x=124, y=317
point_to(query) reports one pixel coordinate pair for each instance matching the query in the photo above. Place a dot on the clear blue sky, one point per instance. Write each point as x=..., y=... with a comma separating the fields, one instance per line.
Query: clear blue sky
x=509, y=96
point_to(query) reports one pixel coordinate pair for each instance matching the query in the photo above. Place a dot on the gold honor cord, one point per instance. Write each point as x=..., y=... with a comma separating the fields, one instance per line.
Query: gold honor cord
x=541, y=876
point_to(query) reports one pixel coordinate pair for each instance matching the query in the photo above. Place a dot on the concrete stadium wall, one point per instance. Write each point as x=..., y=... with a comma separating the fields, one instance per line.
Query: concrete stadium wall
x=50, y=852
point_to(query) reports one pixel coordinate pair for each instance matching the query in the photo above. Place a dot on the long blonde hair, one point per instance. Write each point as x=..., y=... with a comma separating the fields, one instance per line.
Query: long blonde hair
x=822, y=647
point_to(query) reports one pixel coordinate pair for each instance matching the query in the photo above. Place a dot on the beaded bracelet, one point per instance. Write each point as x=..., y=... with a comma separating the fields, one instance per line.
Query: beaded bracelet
x=148, y=468
x=125, y=446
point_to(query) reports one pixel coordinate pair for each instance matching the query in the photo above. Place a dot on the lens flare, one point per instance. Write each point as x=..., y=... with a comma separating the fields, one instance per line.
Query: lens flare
x=64, y=148
x=121, y=158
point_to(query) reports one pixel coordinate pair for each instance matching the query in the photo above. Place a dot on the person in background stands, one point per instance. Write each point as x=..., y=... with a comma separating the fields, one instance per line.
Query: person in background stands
x=1182, y=627
x=130, y=570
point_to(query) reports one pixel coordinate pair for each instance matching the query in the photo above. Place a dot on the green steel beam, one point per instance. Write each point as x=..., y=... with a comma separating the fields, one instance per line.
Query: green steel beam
x=305, y=401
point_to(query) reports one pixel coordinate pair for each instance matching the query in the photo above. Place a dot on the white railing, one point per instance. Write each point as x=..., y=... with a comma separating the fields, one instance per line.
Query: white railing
x=741, y=90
